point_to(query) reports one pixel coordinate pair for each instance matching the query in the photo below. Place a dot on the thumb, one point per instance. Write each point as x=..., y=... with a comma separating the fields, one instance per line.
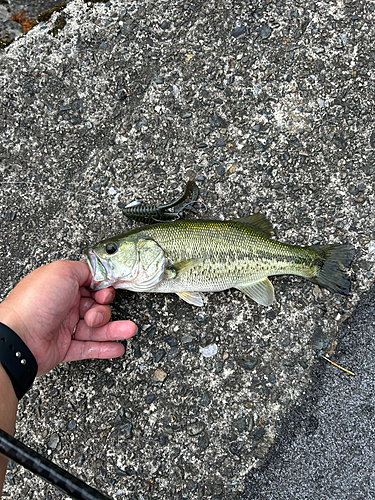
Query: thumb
x=78, y=270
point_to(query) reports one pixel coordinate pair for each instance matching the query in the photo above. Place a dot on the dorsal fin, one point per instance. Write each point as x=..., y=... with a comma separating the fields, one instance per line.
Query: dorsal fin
x=258, y=222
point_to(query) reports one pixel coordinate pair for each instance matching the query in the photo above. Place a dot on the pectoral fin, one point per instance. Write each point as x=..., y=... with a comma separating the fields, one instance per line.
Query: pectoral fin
x=173, y=270
x=262, y=292
x=193, y=298
x=186, y=265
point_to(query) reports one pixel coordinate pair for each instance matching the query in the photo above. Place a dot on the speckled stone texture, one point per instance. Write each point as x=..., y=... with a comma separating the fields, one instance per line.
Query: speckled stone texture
x=269, y=107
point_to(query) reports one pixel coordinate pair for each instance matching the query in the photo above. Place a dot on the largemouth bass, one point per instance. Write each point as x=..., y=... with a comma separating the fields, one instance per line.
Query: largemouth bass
x=191, y=256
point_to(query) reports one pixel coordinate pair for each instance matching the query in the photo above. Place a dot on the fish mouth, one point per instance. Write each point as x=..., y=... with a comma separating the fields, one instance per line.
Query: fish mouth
x=100, y=270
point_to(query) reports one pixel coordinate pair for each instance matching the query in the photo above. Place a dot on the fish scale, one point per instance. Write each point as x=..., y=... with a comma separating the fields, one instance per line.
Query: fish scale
x=233, y=254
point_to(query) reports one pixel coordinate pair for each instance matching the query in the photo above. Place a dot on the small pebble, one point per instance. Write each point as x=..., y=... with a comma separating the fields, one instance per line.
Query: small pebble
x=240, y=424
x=208, y=351
x=258, y=433
x=118, y=420
x=159, y=375
x=247, y=364
x=170, y=341
x=172, y=353
x=53, y=441
x=150, y=398
x=266, y=32
x=159, y=171
x=127, y=430
x=219, y=366
x=196, y=428
x=238, y=31
x=251, y=423
x=203, y=441
x=159, y=355
x=188, y=339
x=205, y=400
x=165, y=25
x=217, y=122
x=151, y=332
x=72, y=425
x=137, y=351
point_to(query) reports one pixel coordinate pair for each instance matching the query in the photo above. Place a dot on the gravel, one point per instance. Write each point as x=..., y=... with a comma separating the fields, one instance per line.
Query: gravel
x=269, y=107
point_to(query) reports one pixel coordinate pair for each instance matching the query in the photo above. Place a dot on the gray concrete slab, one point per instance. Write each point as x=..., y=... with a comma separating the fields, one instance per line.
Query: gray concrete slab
x=269, y=107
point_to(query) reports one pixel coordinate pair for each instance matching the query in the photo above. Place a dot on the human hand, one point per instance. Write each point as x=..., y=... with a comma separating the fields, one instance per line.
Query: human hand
x=51, y=303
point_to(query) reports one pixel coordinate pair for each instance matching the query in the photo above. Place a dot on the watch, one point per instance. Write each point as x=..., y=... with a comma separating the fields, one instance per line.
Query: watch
x=17, y=360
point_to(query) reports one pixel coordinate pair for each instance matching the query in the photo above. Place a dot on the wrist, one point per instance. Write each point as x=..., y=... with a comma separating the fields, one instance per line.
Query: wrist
x=8, y=410
x=9, y=399
x=13, y=320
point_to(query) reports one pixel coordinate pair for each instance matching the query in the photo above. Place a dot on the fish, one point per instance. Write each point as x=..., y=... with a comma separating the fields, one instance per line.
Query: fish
x=188, y=257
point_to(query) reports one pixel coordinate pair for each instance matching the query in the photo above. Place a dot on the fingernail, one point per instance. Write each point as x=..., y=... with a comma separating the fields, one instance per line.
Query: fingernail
x=97, y=319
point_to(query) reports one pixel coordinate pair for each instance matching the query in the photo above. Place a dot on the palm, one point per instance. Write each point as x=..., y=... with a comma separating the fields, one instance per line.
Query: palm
x=54, y=327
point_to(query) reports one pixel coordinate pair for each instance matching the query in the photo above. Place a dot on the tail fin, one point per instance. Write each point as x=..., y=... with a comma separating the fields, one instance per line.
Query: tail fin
x=331, y=262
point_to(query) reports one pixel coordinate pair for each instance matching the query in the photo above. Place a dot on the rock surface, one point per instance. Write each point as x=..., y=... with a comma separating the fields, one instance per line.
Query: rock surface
x=270, y=108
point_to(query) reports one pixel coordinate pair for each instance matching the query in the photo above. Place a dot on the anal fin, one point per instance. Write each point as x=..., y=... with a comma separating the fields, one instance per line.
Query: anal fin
x=261, y=291
x=194, y=298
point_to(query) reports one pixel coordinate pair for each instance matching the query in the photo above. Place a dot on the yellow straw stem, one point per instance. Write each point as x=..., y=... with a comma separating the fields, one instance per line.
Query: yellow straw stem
x=338, y=366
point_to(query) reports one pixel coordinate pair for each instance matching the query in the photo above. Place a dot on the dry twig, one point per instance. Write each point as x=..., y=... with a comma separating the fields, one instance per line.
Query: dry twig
x=338, y=366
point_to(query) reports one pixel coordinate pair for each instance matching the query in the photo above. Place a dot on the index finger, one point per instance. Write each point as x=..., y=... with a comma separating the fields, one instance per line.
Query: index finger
x=114, y=330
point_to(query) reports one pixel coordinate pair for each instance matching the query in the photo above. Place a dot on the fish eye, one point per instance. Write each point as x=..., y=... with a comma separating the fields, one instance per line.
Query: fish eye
x=111, y=248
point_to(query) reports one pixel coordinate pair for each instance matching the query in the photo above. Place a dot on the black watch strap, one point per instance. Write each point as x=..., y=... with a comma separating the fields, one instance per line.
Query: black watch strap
x=17, y=360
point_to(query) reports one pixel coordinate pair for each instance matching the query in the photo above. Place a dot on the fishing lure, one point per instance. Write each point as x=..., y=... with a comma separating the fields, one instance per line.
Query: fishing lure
x=150, y=214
